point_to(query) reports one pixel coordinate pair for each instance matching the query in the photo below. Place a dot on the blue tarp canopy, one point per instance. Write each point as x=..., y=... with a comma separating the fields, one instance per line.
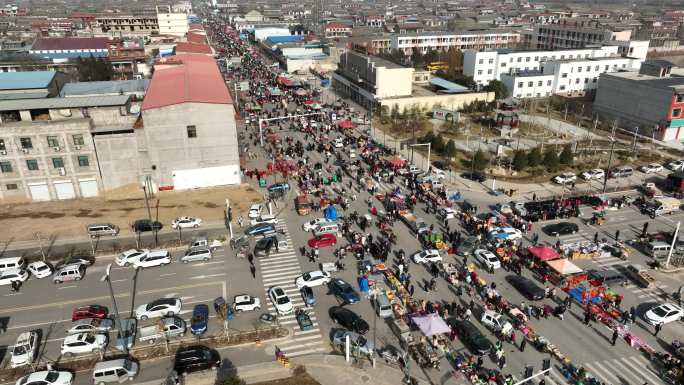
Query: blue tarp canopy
x=363, y=284
x=330, y=213
x=448, y=87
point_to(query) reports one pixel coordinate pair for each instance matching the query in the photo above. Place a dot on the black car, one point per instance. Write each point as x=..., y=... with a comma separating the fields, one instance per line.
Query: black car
x=474, y=176
x=442, y=165
x=343, y=291
x=264, y=246
x=145, y=225
x=471, y=336
x=561, y=228
x=195, y=358
x=526, y=287
x=348, y=319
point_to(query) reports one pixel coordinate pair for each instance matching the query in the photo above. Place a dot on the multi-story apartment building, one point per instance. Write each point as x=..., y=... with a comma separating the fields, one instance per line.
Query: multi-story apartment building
x=442, y=41
x=577, y=33
x=337, y=29
x=172, y=23
x=126, y=25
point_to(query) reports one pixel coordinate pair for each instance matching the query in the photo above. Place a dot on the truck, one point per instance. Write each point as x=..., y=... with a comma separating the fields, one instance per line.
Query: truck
x=417, y=225
x=664, y=205
x=166, y=327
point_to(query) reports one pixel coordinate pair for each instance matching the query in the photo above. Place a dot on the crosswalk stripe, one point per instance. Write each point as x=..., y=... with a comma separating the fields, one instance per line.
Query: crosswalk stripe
x=280, y=280
x=300, y=345
x=279, y=256
x=305, y=352
x=287, y=262
x=625, y=371
x=603, y=374
x=280, y=272
x=301, y=332
x=557, y=377
x=284, y=286
x=645, y=369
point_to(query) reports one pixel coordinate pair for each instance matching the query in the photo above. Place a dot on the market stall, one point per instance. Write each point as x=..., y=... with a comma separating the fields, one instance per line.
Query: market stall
x=429, y=351
x=562, y=269
x=580, y=250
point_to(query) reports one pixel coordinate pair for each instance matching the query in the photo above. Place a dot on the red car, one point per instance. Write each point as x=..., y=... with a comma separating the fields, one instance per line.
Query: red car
x=90, y=311
x=323, y=240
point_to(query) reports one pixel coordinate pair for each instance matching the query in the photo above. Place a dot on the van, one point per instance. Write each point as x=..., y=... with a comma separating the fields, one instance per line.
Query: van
x=622, y=172
x=610, y=277
x=102, y=229
x=658, y=249
x=119, y=370
x=73, y=272
x=327, y=228
x=382, y=306
x=12, y=263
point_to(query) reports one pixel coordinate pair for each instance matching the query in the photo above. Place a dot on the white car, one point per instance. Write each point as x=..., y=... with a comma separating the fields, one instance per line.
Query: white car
x=163, y=307
x=152, y=259
x=131, y=256
x=91, y=325
x=186, y=222
x=246, y=302
x=439, y=174
x=663, y=314
x=24, y=350
x=487, y=259
x=197, y=254
x=338, y=143
x=313, y=279
x=446, y=213
x=596, y=173
x=83, y=343
x=281, y=302
x=264, y=218
x=47, y=377
x=676, y=165
x=352, y=154
x=505, y=233
x=11, y=275
x=254, y=211
x=565, y=178
x=40, y=269
x=651, y=168
x=504, y=208
x=431, y=255
x=313, y=224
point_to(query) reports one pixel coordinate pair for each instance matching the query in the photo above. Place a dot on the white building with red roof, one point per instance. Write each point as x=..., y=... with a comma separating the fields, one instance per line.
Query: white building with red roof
x=337, y=29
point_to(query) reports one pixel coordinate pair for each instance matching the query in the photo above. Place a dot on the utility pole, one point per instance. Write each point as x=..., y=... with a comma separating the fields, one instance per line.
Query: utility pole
x=39, y=237
x=610, y=161
x=116, y=309
x=634, y=145
x=147, y=199
x=672, y=246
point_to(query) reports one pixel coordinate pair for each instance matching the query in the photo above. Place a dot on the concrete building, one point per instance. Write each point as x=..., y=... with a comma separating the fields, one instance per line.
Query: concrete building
x=529, y=84
x=70, y=47
x=30, y=85
x=134, y=88
x=125, y=25
x=577, y=33
x=337, y=29
x=442, y=41
x=651, y=100
x=187, y=137
x=172, y=23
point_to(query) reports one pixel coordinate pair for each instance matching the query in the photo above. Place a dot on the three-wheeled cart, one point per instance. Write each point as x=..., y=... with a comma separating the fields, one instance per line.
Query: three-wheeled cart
x=303, y=320
x=223, y=310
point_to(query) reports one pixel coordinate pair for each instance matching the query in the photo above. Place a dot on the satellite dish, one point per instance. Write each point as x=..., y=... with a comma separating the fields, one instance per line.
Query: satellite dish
x=135, y=108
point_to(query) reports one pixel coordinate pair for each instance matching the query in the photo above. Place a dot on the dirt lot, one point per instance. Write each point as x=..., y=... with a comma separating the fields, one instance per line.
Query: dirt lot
x=121, y=207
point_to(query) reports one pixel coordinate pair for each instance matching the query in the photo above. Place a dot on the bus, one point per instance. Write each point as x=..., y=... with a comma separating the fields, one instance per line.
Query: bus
x=437, y=65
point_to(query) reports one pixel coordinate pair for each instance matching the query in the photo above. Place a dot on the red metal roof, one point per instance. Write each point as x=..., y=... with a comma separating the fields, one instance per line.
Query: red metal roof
x=62, y=43
x=183, y=47
x=336, y=24
x=193, y=79
x=197, y=38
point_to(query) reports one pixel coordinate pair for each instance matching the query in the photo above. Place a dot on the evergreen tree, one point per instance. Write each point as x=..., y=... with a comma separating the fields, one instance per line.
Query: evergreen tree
x=534, y=157
x=566, y=156
x=479, y=160
x=499, y=89
x=551, y=159
x=450, y=149
x=519, y=160
x=417, y=59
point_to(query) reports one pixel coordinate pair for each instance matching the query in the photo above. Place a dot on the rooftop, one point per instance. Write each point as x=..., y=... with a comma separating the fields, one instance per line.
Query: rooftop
x=183, y=47
x=70, y=43
x=104, y=87
x=380, y=62
x=60, y=103
x=25, y=80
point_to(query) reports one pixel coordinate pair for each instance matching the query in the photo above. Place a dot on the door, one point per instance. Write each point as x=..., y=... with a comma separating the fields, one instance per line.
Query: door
x=88, y=188
x=65, y=189
x=39, y=191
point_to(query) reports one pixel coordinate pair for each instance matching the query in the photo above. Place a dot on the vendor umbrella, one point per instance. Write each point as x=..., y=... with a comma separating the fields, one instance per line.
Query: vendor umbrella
x=300, y=92
x=431, y=324
x=345, y=124
x=543, y=253
x=308, y=102
x=316, y=106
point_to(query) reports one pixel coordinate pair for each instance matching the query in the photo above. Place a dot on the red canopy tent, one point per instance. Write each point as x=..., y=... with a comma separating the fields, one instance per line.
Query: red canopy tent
x=308, y=102
x=345, y=124
x=543, y=253
x=395, y=162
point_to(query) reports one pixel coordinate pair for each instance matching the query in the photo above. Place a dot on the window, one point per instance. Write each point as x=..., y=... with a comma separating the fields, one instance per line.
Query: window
x=520, y=84
x=680, y=98
x=52, y=141
x=677, y=112
x=548, y=82
x=564, y=75
x=2, y=145
x=489, y=72
x=26, y=143
x=503, y=64
x=481, y=61
x=57, y=162
x=594, y=80
x=586, y=80
x=11, y=186
x=32, y=164
x=491, y=61
x=577, y=81
x=596, y=68
x=588, y=68
x=606, y=68
x=479, y=72
x=519, y=59
x=192, y=130
x=83, y=161
x=530, y=84
x=78, y=140
x=527, y=59
x=562, y=88
x=536, y=58
x=5, y=167
x=539, y=83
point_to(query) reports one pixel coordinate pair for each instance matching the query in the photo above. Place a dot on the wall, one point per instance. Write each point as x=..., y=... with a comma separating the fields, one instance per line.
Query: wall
x=391, y=82
x=168, y=145
x=526, y=90
x=454, y=101
x=117, y=156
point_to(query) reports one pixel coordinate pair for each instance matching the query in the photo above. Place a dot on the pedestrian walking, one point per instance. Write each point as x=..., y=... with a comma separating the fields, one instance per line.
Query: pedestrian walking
x=252, y=270
x=587, y=317
x=615, y=337
x=411, y=290
x=658, y=326
x=523, y=343
x=644, y=230
x=617, y=235
x=250, y=258
x=502, y=362
x=596, y=237
x=240, y=221
x=632, y=314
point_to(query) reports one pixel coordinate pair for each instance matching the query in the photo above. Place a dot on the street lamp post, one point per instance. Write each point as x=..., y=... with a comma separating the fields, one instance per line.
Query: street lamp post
x=107, y=278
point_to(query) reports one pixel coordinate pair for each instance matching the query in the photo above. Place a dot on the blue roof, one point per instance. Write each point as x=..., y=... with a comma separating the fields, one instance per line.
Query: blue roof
x=285, y=38
x=25, y=80
x=447, y=86
x=112, y=87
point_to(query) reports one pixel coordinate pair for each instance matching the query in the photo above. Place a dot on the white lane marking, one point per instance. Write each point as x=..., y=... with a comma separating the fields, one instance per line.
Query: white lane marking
x=66, y=287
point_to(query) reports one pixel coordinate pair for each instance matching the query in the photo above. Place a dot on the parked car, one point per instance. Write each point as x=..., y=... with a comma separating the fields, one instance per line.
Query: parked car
x=190, y=359
x=66, y=273
x=323, y=240
x=89, y=311
x=197, y=254
x=244, y=302
x=487, y=259
x=565, y=178
x=47, y=377
x=663, y=314
x=430, y=255
x=596, y=173
x=280, y=186
x=83, y=343
x=281, y=301
x=186, y=222
x=267, y=245
x=338, y=142
x=264, y=218
x=343, y=291
x=163, y=307
x=358, y=342
x=474, y=176
x=468, y=245
x=24, y=350
x=260, y=229
x=39, y=269
x=145, y=225
x=526, y=287
x=471, y=336
x=131, y=256
x=676, y=165
x=314, y=224
x=621, y=172
x=348, y=319
x=312, y=279
x=200, y=319
x=505, y=234
x=13, y=275
x=307, y=296
x=84, y=260
x=91, y=325
x=504, y=208
x=560, y=228
x=651, y=168
x=153, y=259
x=254, y=211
